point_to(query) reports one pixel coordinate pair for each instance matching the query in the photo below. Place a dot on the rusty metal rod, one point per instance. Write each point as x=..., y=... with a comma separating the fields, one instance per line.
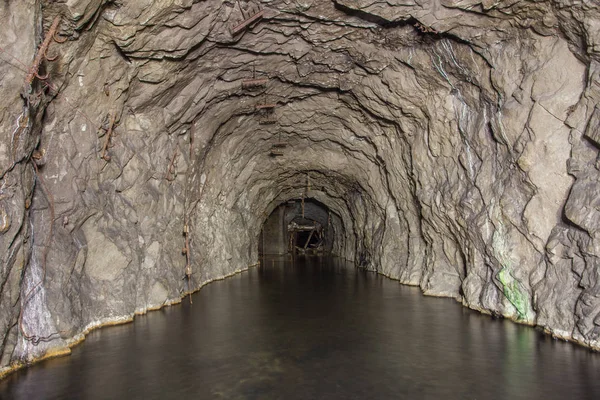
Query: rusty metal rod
x=41, y=54
x=253, y=83
x=109, y=133
x=244, y=24
x=267, y=121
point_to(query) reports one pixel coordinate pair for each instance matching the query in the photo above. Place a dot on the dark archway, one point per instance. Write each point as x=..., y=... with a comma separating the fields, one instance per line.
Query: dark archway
x=298, y=226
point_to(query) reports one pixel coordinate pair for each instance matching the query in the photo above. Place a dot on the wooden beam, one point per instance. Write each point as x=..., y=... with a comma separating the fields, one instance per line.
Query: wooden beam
x=308, y=240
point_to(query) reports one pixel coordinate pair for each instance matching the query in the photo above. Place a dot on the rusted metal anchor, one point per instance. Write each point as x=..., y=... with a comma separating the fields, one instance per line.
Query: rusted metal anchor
x=42, y=55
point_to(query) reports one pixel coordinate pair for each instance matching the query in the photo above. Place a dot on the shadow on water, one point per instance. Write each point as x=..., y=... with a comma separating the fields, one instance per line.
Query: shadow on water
x=313, y=329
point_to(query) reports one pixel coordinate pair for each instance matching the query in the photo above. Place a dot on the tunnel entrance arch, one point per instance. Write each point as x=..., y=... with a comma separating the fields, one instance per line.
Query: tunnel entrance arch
x=297, y=226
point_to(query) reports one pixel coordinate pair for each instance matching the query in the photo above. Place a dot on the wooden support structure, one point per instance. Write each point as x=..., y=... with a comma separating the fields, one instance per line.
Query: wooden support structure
x=308, y=240
x=109, y=134
x=42, y=55
x=248, y=20
x=303, y=225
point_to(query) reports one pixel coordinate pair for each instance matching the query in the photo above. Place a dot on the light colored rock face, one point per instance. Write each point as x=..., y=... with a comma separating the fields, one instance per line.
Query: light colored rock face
x=456, y=144
x=105, y=261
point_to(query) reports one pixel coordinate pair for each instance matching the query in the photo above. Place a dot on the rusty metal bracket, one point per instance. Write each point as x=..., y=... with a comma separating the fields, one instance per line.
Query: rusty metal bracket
x=248, y=20
x=275, y=152
x=254, y=83
x=277, y=148
x=42, y=55
x=267, y=121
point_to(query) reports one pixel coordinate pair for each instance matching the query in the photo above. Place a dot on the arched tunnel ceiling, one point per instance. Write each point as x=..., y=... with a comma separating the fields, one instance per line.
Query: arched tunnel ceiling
x=455, y=143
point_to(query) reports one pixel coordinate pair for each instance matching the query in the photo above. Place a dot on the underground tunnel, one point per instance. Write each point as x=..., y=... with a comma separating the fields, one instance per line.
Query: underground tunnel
x=153, y=148
x=299, y=226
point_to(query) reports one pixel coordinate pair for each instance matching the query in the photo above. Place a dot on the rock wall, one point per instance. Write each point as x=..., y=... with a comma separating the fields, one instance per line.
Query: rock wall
x=456, y=144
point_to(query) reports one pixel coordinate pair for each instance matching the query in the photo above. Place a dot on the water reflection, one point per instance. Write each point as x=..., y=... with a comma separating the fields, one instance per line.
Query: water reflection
x=313, y=329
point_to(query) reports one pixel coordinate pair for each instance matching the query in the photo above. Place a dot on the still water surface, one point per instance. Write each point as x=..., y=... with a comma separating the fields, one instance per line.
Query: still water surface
x=317, y=329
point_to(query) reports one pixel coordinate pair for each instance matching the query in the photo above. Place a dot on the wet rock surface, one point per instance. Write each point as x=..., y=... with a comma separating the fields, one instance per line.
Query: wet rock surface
x=456, y=144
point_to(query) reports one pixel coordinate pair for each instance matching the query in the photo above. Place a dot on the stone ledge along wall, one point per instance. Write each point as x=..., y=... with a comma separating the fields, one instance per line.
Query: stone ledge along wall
x=456, y=144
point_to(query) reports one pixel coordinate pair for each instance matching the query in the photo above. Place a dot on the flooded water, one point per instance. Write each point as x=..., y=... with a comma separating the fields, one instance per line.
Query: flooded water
x=317, y=329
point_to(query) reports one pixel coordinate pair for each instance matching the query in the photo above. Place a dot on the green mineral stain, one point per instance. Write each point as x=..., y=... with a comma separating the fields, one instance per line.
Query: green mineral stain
x=512, y=288
x=513, y=293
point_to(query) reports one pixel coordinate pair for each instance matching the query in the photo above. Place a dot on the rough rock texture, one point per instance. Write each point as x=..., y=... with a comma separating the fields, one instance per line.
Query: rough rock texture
x=455, y=142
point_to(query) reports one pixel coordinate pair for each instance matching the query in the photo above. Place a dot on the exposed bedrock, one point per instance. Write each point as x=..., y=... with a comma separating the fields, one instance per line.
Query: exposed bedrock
x=455, y=144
